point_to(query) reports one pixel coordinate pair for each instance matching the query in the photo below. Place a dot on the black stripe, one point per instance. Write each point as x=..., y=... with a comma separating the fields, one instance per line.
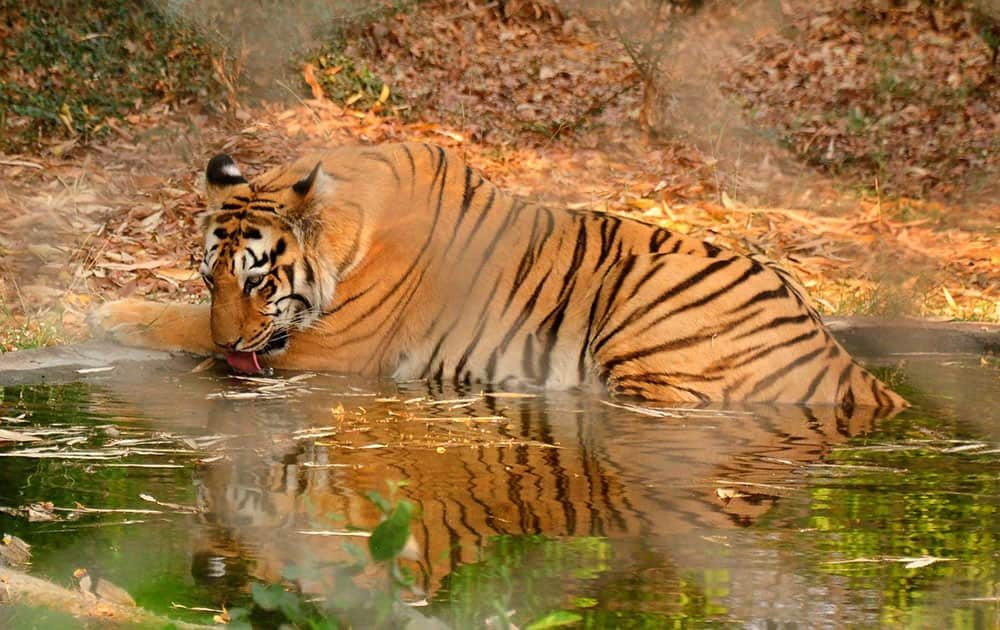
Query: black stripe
x=440, y=171
x=378, y=157
x=554, y=320
x=844, y=377
x=482, y=217
x=777, y=322
x=500, y=233
x=658, y=238
x=579, y=253
x=752, y=270
x=526, y=311
x=581, y=365
x=653, y=270
x=413, y=166
x=664, y=378
x=536, y=241
x=491, y=367
x=762, y=296
x=528, y=357
x=257, y=262
x=814, y=384
x=691, y=281
x=625, y=267
x=478, y=331
x=226, y=217
x=706, y=334
x=468, y=192
x=608, y=236
x=772, y=348
x=881, y=398
x=354, y=297
x=296, y=297
x=728, y=390
x=673, y=344
x=783, y=371
x=434, y=353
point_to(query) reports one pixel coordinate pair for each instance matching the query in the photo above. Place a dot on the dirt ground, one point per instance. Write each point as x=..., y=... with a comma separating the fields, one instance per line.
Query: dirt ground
x=544, y=106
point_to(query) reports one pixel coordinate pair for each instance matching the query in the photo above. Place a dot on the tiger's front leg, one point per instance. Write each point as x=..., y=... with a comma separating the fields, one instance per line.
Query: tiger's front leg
x=155, y=325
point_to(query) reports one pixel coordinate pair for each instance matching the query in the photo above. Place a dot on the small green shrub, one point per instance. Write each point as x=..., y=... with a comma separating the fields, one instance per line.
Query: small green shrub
x=70, y=68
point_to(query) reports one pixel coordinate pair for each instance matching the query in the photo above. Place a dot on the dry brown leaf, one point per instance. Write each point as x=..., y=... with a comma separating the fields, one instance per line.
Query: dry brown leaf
x=309, y=75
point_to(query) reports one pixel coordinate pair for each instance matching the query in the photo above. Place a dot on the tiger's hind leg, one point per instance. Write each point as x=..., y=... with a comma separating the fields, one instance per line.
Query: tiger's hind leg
x=154, y=325
x=683, y=328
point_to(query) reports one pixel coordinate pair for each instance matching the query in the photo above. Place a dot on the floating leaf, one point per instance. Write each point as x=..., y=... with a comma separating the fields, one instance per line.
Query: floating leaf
x=390, y=536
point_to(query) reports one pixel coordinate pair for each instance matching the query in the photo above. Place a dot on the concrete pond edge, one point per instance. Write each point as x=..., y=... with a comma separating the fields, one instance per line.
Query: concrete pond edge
x=862, y=336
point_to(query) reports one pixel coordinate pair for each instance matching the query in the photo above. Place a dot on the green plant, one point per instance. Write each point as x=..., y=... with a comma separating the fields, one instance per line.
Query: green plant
x=71, y=69
x=343, y=602
x=351, y=83
x=24, y=332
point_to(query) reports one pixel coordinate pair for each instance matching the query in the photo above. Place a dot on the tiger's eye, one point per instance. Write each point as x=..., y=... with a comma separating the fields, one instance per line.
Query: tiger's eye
x=252, y=282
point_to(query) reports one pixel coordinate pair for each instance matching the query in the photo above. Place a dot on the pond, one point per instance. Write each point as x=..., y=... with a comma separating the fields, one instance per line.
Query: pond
x=184, y=487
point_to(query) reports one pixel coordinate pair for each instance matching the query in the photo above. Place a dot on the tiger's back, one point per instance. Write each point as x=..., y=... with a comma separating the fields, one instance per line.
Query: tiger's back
x=440, y=275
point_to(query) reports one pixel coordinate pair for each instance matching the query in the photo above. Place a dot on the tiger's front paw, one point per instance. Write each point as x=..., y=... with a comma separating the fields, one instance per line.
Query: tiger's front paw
x=123, y=321
x=145, y=324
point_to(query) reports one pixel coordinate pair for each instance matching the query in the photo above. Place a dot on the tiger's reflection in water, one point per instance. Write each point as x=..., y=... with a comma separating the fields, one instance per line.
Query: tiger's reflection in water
x=561, y=465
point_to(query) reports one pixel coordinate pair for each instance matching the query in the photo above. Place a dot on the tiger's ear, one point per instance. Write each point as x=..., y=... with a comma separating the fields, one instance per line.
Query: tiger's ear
x=313, y=192
x=221, y=175
x=315, y=181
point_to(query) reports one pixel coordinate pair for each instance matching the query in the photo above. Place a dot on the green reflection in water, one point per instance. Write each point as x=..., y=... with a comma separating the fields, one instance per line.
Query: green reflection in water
x=909, y=519
x=146, y=554
x=593, y=577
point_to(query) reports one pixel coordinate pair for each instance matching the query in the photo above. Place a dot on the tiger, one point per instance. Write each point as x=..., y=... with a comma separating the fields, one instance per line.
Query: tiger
x=401, y=260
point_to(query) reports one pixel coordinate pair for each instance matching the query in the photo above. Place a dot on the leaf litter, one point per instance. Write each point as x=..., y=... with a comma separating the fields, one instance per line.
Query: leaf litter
x=118, y=218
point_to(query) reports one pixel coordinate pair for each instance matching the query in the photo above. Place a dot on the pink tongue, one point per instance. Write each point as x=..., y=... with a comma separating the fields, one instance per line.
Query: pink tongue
x=245, y=362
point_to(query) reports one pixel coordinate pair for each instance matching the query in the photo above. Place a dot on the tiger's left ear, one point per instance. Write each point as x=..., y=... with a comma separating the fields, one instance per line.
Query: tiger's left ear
x=311, y=183
x=221, y=176
x=313, y=192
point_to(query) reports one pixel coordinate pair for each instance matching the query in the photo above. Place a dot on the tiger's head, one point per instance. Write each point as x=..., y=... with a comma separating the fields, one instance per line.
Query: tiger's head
x=262, y=262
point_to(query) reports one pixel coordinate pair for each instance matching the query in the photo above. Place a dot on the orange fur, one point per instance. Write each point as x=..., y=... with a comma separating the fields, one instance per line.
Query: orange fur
x=400, y=260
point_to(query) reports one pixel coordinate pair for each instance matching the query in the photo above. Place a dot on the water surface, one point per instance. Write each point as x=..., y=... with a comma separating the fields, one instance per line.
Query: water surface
x=753, y=517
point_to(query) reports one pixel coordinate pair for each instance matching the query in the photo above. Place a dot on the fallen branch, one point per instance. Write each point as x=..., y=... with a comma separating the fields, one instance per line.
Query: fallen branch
x=17, y=586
